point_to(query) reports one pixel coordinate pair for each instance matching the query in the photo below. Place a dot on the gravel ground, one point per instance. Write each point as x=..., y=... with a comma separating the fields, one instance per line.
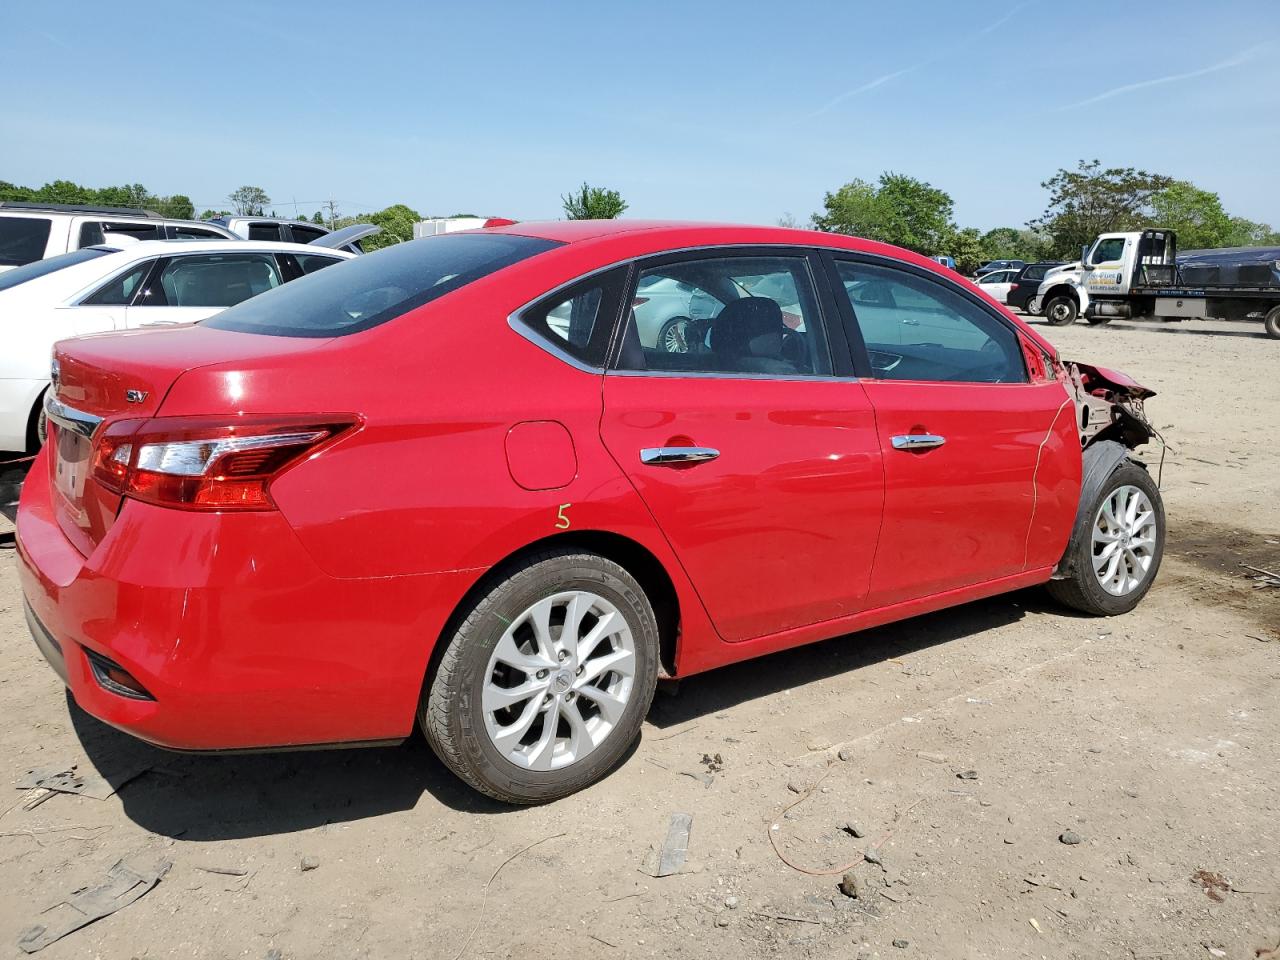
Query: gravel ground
x=965, y=746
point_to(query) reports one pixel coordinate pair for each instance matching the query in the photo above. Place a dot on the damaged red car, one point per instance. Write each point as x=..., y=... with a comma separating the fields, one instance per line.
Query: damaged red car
x=448, y=483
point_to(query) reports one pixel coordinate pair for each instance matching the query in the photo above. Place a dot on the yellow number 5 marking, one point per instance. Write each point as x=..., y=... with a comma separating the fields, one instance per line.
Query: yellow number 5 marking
x=562, y=522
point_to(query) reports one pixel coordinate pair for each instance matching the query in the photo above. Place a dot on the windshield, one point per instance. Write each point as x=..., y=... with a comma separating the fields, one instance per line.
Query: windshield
x=377, y=287
x=11, y=278
x=23, y=239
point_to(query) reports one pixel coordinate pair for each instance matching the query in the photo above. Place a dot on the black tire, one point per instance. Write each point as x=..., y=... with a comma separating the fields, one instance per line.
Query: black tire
x=450, y=711
x=1082, y=591
x=1061, y=311
x=667, y=329
x=1272, y=323
x=37, y=426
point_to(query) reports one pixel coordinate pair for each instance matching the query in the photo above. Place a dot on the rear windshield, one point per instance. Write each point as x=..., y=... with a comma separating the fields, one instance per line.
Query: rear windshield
x=377, y=287
x=11, y=278
x=22, y=239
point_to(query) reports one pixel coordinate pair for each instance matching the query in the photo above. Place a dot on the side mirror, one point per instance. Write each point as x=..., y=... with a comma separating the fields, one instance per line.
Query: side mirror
x=1084, y=255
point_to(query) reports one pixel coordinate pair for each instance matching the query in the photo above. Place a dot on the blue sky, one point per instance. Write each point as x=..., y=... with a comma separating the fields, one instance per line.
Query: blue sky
x=726, y=111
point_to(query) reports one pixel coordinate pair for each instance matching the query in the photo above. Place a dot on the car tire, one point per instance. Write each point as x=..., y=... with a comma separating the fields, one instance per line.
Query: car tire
x=37, y=426
x=1087, y=589
x=1271, y=323
x=1060, y=311
x=474, y=706
x=674, y=334
x=1029, y=308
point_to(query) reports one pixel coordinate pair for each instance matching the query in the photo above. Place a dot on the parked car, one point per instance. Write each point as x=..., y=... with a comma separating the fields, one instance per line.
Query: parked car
x=34, y=231
x=996, y=284
x=993, y=265
x=293, y=231
x=396, y=491
x=1027, y=282
x=108, y=288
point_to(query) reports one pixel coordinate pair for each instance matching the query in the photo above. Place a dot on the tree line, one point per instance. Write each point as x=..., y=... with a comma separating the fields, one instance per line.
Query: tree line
x=897, y=209
x=1083, y=203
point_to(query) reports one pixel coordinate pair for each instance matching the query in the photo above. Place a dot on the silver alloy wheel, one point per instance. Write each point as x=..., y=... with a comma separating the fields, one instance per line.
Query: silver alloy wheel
x=559, y=680
x=1124, y=540
x=1033, y=306
x=674, y=339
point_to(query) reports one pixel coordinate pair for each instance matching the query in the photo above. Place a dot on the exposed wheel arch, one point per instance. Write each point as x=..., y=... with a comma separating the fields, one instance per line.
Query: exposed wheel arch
x=634, y=557
x=34, y=439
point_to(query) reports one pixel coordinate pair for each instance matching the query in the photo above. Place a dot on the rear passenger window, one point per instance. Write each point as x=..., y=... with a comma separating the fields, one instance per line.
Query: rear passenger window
x=579, y=319
x=309, y=263
x=305, y=234
x=23, y=240
x=918, y=329
x=221, y=280
x=727, y=315
x=264, y=231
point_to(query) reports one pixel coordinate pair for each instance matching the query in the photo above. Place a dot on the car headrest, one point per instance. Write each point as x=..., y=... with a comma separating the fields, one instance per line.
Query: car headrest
x=750, y=327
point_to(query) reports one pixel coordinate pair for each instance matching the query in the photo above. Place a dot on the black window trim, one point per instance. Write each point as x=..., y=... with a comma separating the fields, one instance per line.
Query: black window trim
x=862, y=360
x=608, y=330
x=827, y=316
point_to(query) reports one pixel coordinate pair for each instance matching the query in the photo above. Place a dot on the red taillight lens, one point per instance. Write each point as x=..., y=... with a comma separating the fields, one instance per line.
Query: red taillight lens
x=638, y=301
x=204, y=464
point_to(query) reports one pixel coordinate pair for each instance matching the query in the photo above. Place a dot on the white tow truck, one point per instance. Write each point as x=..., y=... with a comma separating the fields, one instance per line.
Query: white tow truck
x=1137, y=275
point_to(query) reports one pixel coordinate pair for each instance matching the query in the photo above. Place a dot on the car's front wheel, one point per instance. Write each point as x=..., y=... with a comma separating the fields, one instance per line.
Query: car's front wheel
x=1060, y=311
x=1271, y=323
x=674, y=335
x=544, y=683
x=1115, y=558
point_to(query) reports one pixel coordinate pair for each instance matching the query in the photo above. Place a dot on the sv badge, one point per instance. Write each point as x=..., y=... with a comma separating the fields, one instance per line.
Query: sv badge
x=135, y=396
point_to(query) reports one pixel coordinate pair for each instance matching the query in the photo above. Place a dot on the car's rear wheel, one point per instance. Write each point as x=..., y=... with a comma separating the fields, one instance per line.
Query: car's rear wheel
x=674, y=335
x=1032, y=307
x=544, y=683
x=1116, y=557
x=1060, y=311
x=1271, y=323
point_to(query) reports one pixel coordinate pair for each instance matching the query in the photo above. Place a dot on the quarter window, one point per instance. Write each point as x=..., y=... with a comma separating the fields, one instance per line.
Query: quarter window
x=23, y=240
x=217, y=280
x=728, y=315
x=915, y=328
x=264, y=231
x=310, y=263
x=120, y=290
x=183, y=232
x=305, y=234
x=579, y=320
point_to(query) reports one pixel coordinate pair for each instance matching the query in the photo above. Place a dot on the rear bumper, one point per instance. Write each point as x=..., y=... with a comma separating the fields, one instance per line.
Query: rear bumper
x=225, y=620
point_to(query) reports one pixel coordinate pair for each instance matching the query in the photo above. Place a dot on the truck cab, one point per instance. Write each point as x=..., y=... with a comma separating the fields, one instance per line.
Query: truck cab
x=1115, y=263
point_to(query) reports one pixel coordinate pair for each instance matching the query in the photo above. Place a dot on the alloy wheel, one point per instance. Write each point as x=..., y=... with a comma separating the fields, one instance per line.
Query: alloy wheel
x=558, y=680
x=1124, y=540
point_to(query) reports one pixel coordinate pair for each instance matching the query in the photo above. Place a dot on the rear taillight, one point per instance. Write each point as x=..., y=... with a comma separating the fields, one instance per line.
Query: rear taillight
x=639, y=301
x=207, y=464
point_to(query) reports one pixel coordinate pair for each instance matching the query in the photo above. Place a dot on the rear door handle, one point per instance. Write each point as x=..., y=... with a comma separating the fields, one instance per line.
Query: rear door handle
x=918, y=441
x=662, y=456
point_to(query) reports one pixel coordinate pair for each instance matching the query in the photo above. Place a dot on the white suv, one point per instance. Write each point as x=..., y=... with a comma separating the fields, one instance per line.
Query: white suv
x=276, y=228
x=35, y=231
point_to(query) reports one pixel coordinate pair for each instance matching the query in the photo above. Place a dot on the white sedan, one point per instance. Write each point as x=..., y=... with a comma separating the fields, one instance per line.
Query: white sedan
x=110, y=287
x=997, y=283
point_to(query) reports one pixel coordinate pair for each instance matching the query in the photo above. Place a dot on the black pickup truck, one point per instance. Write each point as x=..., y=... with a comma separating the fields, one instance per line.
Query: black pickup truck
x=1027, y=282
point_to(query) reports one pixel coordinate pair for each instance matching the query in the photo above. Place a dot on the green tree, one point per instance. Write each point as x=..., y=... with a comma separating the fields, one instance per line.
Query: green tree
x=318, y=217
x=249, y=201
x=1246, y=233
x=1195, y=215
x=210, y=214
x=1091, y=200
x=966, y=247
x=178, y=206
x=11, y=191
x=900, y=210
x=593, y=203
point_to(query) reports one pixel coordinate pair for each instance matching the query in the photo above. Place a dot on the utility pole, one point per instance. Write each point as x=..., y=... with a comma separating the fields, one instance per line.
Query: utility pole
x=333, y=212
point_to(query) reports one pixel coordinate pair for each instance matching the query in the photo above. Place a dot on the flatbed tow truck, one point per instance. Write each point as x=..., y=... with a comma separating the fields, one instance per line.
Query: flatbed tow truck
x=1137, y=275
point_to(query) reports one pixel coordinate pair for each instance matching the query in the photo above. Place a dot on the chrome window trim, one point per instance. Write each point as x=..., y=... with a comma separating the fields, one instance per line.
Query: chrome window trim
x=70, y=418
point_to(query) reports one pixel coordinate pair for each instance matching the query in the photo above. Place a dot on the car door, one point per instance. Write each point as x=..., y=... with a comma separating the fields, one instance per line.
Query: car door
x=757, y=458
x=961, y=424
x=189, y=287
x=996, y=285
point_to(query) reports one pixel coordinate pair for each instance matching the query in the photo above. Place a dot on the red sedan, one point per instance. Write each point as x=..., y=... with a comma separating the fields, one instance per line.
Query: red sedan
x=447, y=482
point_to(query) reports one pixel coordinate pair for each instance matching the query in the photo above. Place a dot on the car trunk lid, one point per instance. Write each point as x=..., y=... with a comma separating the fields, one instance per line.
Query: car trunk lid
x=100, y=381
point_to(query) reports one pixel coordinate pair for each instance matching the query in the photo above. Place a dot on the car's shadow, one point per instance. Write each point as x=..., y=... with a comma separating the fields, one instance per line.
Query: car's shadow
x=205, y=797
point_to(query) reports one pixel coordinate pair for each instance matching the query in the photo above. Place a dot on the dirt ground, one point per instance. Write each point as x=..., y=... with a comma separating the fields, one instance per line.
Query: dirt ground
x=1151, y=737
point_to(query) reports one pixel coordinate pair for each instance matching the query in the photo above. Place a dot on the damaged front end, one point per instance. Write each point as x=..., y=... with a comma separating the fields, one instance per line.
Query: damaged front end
x=1109, y=405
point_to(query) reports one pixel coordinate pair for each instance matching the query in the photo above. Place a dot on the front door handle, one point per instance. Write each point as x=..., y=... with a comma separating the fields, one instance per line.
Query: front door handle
x=918, y=441
x=666, y=456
